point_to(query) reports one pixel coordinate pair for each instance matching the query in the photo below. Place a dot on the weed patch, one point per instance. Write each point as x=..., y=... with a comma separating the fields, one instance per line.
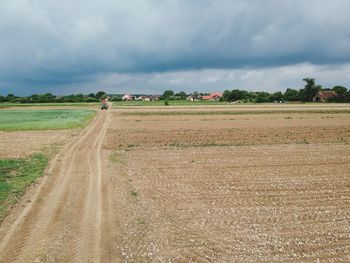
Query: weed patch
x=15, y=176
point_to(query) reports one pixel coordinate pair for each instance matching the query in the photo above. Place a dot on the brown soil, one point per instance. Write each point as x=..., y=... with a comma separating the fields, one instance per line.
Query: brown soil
x=222, y=188
x=214, y=130
x=204, y=188
x=24, y=143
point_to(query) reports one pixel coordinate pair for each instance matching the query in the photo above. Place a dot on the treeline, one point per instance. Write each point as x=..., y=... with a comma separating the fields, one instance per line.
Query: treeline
x=305, y=94
x=49, y=98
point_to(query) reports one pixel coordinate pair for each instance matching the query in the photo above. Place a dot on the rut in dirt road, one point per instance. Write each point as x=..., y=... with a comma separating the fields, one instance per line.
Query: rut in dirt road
x=62, y=223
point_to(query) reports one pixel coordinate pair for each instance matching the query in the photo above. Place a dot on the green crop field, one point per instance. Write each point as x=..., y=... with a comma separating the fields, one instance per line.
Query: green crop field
x=22, y=120
x=15, y=176
x=50, y=104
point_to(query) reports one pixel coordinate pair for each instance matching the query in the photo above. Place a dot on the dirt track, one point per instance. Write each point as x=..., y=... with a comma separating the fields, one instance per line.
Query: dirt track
x=62, y=220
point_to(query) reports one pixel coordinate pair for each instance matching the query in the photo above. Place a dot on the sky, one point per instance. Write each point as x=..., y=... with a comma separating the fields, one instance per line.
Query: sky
x=148, y=46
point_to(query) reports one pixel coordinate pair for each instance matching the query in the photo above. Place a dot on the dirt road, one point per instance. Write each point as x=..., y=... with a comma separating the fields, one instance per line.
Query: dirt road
x=62, y=220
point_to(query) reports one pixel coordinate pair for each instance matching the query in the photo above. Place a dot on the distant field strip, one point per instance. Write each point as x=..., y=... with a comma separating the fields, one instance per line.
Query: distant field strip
x=21, y=120
x=78, y=104
x=219, y=112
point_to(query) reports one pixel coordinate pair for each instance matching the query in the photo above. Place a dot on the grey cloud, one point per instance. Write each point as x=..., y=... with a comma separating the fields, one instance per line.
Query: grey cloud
x=59, y=42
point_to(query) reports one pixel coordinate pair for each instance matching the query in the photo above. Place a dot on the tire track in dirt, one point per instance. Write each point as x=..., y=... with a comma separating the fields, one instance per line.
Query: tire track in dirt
x=63, y=220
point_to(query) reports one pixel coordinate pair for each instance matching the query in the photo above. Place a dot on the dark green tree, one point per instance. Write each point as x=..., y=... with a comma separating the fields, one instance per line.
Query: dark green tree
x=291, y=95
x=181, y=94
x=341, y=94
x=100, y=94
x=277, y=96
x=11, y=97
x=310, y=90
x=262, y=96
x=168, y=93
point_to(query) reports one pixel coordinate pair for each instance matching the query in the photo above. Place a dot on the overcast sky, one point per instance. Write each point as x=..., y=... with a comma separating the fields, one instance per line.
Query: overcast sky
x=147, y=46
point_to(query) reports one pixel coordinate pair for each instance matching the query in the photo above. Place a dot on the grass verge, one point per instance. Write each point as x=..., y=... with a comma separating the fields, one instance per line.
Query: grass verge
x=15, y=176
x=22, y=120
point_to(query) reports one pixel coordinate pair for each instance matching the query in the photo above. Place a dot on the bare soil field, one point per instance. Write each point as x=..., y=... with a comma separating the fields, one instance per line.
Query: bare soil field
x=20, y=144
x=220, y=130
x=231, y=188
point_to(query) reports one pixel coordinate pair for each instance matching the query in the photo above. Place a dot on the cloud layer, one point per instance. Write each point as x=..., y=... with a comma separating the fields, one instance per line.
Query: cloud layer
x=66, y=43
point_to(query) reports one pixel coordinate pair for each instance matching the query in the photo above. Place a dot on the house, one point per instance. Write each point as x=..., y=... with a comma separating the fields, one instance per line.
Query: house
x=213, y=96
x=128, y=97
x=324, y=95
x=216, y=95
x=154, y=97
x=190, y=98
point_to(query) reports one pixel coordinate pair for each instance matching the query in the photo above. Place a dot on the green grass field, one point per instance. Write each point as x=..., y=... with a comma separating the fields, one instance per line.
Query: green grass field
x=15, y=176
x=22, y=120
x=24, y=105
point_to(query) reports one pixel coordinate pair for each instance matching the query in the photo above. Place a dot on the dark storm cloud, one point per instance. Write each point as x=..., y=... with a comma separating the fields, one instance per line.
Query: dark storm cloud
x=59, y=42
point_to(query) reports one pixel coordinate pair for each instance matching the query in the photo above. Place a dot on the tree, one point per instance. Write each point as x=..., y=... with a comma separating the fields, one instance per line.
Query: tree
x=291, y=95
x=225, y=95
x=11, y=98
x=262, y=97
x=46, y=98
x=181, y=94
x=92, y=95
x=117, y=98
x=237, y=94
x=168, y=93
x=341, y=94
x=310, y=90
x=277, y=96
x=100, y=94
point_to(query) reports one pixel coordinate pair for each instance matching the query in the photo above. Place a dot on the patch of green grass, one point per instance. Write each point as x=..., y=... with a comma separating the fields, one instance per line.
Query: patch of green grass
x=134, y=193
x=305, y=141
x=15, y=176
x=22, y=120
x=141, y=221
x=117, y=157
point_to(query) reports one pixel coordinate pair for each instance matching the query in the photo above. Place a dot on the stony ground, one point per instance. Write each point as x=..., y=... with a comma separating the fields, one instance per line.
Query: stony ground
x=219, y=188
x=20, y=144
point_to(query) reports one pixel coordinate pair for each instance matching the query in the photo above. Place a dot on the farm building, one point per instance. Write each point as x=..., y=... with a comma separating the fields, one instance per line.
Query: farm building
x=128, y=97
x=323, y=96
x=213, y=96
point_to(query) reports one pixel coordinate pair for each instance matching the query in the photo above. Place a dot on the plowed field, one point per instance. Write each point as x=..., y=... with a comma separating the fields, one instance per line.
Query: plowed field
x=271, y=187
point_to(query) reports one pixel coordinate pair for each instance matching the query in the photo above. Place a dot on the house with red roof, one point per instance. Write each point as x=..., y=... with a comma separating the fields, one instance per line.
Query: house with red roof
x=324, y=95
x=213, y=96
